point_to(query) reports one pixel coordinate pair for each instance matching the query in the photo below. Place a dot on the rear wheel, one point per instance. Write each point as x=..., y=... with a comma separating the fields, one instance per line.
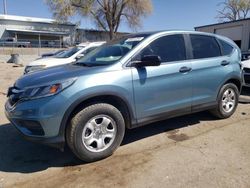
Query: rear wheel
x=227, y=101
x=96, y=132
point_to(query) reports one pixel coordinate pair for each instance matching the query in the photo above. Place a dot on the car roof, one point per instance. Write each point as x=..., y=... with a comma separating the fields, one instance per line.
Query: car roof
x=166, y=32
x=170, y=32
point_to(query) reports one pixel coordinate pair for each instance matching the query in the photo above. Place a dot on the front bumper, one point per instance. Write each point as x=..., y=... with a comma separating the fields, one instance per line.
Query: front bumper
x=36, y=120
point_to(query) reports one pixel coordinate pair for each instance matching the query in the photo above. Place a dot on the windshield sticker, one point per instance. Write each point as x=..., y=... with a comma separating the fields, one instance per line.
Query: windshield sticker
x=135, y=39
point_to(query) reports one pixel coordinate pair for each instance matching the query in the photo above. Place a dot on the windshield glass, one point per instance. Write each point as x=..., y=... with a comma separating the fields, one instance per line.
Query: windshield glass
x=69, y=52
x=111, y=51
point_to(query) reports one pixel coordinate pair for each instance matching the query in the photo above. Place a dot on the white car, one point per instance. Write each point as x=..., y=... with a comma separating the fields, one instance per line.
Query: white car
x=65, y=57
x=246, y=72
x=245, y=61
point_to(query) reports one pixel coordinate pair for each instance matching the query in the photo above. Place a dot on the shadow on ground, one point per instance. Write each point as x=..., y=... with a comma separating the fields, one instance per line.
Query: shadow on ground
x=19, y=155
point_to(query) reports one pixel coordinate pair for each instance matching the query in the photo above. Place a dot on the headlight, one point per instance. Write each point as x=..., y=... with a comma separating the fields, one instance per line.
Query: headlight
x=47, y=90
x=33, y=68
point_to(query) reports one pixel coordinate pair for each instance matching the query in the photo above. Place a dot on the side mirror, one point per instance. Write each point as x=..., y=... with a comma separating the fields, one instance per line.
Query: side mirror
x=79, y=56
x=146, y=61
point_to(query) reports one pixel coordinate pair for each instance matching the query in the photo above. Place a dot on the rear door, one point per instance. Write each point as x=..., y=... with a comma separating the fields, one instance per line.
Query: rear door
x=210, y=68
x=166, y=89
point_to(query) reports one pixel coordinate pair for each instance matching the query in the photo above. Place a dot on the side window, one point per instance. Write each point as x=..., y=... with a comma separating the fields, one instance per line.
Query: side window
x=226, y=48
x=168, y=48
x=204, y=46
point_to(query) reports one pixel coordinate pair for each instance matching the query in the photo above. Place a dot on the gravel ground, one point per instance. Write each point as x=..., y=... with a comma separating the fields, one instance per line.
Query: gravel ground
x=190, y=151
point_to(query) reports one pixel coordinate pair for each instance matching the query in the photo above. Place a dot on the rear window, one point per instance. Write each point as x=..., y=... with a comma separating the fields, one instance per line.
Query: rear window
x=204, y=46
x=226, y=48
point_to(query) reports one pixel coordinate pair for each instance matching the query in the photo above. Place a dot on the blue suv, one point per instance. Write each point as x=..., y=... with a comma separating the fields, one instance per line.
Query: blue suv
x=128, y=82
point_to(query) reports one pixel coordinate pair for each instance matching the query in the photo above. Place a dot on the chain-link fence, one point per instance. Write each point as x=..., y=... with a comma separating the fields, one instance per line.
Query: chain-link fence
x=32, y=43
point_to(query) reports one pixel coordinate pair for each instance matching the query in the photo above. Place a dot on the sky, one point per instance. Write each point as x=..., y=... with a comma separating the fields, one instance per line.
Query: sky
x=166, y=14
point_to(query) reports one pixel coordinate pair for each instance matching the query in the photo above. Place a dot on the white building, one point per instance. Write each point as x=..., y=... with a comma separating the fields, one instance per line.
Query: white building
x=37, y=31
x=238, y=31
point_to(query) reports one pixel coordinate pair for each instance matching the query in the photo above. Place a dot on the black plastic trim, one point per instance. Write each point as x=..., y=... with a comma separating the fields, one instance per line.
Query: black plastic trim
x=204, y=106
x=163, y=116
x=189, y=48
x=176, y=113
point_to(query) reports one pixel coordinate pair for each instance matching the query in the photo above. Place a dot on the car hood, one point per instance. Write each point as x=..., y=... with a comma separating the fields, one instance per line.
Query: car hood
x=50, y=61
x=52, y=74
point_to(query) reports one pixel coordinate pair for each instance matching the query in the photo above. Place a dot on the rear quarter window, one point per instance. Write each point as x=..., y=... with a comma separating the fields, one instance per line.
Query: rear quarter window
x=204, y=46
x=226, y=48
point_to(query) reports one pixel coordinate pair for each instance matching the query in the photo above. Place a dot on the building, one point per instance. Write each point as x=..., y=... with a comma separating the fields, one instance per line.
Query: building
x=91, y=35
x=238, y=31
x=38, y=31
x=42, y=32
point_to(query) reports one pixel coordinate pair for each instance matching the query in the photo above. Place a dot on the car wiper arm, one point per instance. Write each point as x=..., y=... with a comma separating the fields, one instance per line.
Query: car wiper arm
x=82, y=64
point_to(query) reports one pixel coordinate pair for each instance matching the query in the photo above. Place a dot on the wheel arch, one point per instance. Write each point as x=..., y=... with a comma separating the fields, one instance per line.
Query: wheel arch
x=235, y=81
x=120, y=103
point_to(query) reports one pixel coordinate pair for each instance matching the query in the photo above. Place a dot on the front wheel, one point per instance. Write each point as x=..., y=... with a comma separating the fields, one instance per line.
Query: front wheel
x=227, y=101
x=96, y=132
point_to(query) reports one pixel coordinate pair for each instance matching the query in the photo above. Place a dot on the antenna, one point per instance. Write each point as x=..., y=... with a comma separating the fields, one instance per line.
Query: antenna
x=5, y=7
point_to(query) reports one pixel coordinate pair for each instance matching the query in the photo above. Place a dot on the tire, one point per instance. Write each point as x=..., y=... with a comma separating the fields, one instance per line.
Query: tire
x=227, y=101
x=95, y=132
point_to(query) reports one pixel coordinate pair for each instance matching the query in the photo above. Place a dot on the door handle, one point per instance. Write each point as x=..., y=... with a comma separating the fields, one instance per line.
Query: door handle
x=224, y=63
x=185, y=69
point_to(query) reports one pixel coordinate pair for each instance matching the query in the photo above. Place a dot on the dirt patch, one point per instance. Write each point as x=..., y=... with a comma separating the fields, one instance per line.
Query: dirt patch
x=173, y=135
x=179, y=137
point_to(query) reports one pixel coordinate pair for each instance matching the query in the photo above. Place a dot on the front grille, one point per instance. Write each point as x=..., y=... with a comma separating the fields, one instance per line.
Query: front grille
x=246, y=70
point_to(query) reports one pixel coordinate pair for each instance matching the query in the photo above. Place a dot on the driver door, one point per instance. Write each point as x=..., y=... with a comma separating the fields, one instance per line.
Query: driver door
x=165, y=90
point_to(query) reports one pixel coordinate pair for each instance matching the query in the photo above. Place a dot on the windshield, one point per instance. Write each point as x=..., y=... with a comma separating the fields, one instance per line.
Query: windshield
x=111, y=51
x=69, y=52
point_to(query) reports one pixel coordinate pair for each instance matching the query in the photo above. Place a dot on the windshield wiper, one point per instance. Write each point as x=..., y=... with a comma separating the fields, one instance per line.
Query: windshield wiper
x=97, y=64
x=82, y=64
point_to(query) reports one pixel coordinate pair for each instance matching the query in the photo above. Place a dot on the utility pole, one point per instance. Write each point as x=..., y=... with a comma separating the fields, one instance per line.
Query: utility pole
x=5, y=7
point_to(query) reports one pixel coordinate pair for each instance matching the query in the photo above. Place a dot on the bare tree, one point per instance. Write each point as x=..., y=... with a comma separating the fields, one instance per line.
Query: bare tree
x=245, y=8
x=233, y=10
x=106, y=14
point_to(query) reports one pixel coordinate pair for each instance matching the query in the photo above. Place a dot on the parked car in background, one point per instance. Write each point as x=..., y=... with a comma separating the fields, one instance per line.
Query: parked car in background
x=245, y=61
x=12, y=42
x=51, y=54
x=245, y=56
x=128, y=82
x=65, y=57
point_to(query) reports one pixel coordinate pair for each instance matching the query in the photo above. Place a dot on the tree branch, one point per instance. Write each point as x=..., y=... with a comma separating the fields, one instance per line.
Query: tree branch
x=92, y=13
